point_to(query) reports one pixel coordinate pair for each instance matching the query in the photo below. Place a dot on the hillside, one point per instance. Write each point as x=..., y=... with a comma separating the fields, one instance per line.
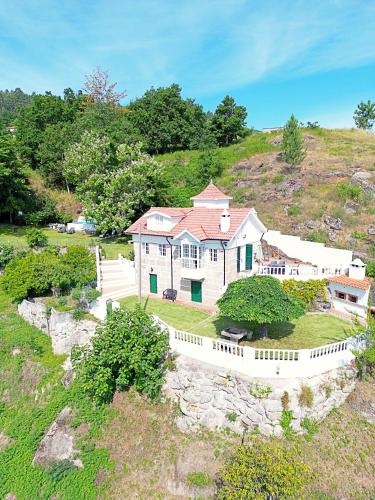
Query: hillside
x=298, y=201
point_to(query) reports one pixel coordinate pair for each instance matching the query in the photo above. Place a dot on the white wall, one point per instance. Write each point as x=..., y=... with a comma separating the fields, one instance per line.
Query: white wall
x=360, y=308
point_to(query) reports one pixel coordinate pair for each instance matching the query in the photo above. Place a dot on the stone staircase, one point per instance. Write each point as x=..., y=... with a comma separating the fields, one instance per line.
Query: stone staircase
x=117, y=279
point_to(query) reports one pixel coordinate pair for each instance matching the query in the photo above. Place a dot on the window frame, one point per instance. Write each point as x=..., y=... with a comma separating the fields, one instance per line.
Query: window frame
x=146, y=248
x=213, y=254
x=162, y=249
x=350, y=297
x=338, y=293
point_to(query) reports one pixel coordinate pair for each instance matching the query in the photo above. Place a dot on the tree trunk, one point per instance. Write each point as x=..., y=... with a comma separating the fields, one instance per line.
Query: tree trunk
x=263, y=331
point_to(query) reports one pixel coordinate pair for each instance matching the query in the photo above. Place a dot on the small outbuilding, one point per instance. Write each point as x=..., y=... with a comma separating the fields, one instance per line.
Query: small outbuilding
x=350, y=293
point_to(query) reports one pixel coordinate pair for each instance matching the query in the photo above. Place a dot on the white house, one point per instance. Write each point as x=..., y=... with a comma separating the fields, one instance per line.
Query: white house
x=350, y=293
x=198, y=250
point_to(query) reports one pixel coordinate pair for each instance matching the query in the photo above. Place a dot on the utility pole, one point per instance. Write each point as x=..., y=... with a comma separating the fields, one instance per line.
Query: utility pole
x=139, y=265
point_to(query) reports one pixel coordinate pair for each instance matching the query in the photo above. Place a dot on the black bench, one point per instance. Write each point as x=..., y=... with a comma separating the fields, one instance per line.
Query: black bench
x=170, y=294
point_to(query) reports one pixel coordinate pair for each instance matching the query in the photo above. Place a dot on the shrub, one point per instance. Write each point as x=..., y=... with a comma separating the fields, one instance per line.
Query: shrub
x=311, y=427
x=60, y=469
x=359, y=235
x=36, y=238
x=317, y=236
x=129, y=350
x=199, y=479
x=278, y=179
x=306, y=396
x=78, y=314
x=232, y=417
x=131, y=255
x=292, y=211
x=348, y=191
x=286, y=423
x=6, y=254
x=308, y=291
x=258, y=391
x=262, y=470
x=370, y=268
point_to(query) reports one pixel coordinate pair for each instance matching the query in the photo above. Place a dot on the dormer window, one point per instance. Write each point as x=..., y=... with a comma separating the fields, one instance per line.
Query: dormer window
x=159, y=219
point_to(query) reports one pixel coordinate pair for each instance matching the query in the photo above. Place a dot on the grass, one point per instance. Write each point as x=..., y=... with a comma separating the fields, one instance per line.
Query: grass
x=111, y=247
x=311, y=330
x=32, y=397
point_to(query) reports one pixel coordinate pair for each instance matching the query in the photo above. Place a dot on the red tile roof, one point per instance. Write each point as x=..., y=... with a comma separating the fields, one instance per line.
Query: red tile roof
x=345, y=280
x=201, y=222
x=211, y=193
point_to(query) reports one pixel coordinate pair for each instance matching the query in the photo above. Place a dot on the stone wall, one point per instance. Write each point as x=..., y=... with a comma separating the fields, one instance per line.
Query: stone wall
x=214, y=398
x=60, y=326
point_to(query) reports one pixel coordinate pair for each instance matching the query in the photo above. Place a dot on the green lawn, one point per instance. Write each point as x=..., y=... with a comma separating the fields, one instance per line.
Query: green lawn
x=304, y=333
x=111, y=247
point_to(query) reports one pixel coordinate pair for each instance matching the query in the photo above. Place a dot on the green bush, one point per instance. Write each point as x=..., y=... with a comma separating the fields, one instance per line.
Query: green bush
x=292, y=211
x=6, y=254
x=262, y=470
x=78, y=314
x=359, y=235
x=286, y=423
x=278, y=179
x=231, y=417
x=306, y=396
x=199, y=479
x=36, y=238
x=311, y=427
x=348, y=191
x=370, y=268
x=128, y=350
x=58, y=470
x=317, y=236
x=308, y=291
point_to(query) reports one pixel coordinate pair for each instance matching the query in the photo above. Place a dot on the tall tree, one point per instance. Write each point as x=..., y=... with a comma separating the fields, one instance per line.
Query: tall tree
x=292, y=148
x=11, y=101
x=228, y=121
x=260, y=299
x=100, y=90
x=14, y=192
x=364, y=115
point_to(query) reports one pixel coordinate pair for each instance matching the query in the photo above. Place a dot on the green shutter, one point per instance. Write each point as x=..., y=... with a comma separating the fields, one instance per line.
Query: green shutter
x=238, y=259
x=249, y=257
x=196, y=291
x=153, y=283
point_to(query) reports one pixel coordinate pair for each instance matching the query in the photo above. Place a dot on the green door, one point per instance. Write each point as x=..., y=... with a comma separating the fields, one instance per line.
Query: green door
x=153, y=283
x=196, y=291
x=249, y=257
x=238, y=259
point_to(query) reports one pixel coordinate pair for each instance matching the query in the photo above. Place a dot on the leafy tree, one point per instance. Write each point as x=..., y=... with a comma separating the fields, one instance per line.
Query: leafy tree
x=100, y=90
x=228, y=121
x=11, y=101
x=365, y=357
x=113, y=188
x=6, y=254
x=260, y=299
x=364, y=115
x=14, y=192
x=129, y=350
x=36, y=238
x=262, y=470
x=209, y=166
x=292, y=148
x=166, y=121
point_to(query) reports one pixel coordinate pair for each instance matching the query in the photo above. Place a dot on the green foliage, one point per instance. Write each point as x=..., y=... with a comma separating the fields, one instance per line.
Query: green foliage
x=11, y=101
x=278, y=178
x=41, y=210
x=259, y=391
x=260, y=299
x=293, y=211
x=292, y=148
x=286, y=423
x=35, y=274
x=231, y=417
x=311, y=427
x=370, y=268
x=306, y=396
x=364, y=115
x=307, y=291
x=359, y=235
x=318, y=236
x=199, y=479
x=58, y=470
x=228, y=121
x=6, y=254
x=262, y=470
x=365, y=357
x=78, y=314
x=347, y=191
x=128, y=350
x=36, y=238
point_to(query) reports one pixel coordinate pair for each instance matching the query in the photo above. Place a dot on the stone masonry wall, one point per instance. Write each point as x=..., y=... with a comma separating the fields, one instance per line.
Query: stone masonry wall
x=215, y=398
x=60, y=326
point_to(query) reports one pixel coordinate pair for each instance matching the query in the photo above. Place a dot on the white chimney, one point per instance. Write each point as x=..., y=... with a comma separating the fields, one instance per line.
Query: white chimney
x=357, y=270
x=225, y=221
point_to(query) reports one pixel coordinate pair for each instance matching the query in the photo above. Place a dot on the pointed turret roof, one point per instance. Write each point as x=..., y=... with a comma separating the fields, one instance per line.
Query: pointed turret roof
x=211, y=193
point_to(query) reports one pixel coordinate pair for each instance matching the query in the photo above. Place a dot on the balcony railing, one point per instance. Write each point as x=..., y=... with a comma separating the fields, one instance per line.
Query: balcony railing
x=189, y=263
x=295, y=271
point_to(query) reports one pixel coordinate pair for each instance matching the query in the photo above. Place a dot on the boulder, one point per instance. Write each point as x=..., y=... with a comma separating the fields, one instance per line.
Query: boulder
x=371, y=230
x=333, y=223
x=362, y=179
x=351, y=207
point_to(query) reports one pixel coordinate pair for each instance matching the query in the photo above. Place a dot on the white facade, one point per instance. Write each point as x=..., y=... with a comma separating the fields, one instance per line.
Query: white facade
x=348, y=299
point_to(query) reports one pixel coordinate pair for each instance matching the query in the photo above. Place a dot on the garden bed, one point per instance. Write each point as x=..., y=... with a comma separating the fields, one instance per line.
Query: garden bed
x=309, y=331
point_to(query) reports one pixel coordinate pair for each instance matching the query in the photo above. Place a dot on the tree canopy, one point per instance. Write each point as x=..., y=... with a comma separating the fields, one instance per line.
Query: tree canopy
x=364, y=115
x=228, y=121
x=292, y=148
x=129, y=350
x=260, y=299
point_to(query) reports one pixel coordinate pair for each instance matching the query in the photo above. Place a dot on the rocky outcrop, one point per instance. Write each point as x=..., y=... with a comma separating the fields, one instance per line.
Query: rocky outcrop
x=58, y=442
x=362, y=179
x=212, y=397
x=60, y=326
x=333, y=223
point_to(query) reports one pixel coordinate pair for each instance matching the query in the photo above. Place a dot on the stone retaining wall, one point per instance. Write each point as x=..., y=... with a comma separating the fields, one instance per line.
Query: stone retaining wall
x=215, y=398
x=60, y=326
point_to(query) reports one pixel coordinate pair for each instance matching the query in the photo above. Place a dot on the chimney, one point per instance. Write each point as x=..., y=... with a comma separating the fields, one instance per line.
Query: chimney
x=225, y=221
x=357, y=270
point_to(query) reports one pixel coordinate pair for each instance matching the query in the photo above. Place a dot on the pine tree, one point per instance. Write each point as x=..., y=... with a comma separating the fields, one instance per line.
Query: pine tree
x=292, y=148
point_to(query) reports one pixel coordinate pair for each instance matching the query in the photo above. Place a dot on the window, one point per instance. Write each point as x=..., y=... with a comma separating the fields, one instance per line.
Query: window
x=146, y=248
x=353, y=298
x=163, y=250
x=213, y=254
x=340, y=295
x=191, y=256
x=159, y=219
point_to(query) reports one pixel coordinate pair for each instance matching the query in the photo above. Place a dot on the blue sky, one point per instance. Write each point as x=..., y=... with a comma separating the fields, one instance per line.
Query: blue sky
x=315, y=58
